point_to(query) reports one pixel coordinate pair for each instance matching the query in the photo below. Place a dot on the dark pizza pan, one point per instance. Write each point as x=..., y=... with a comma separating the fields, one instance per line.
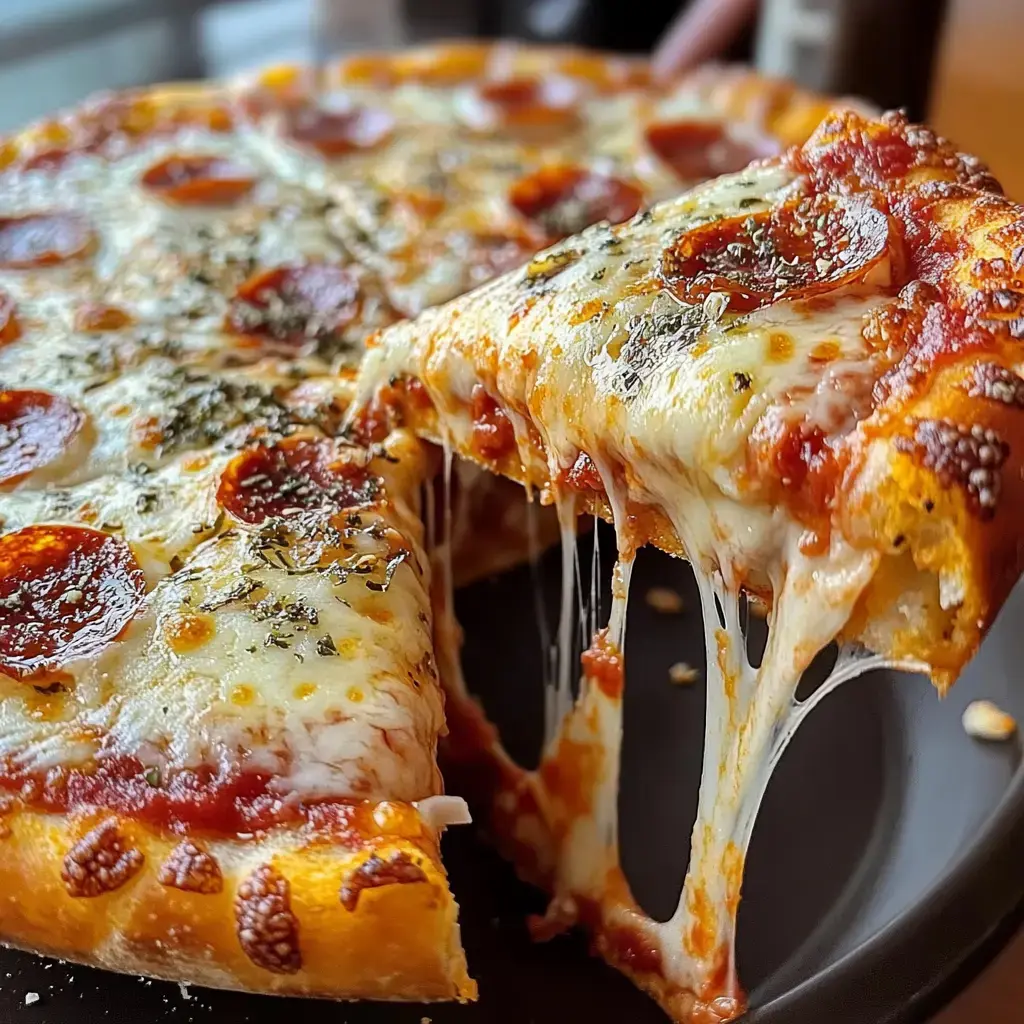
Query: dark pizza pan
x=887, y=857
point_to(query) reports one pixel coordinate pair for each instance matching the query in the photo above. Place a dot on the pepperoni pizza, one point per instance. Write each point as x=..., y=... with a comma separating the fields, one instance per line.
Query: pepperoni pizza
x=219, y=697
x=803, y=377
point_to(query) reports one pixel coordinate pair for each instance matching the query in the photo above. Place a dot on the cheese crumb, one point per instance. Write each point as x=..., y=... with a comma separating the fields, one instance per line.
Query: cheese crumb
x=31, y=998
x=682, y=674
x=984, y=721
x=664, y=600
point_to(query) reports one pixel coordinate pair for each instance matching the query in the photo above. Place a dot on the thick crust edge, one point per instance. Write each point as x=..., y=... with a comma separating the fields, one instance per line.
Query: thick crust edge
x=399, y=942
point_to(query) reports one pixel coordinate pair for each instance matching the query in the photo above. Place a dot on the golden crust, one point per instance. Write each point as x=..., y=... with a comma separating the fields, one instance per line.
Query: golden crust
x=780, y=108
x=736, y=93
x=970, y=561
x=400, y=942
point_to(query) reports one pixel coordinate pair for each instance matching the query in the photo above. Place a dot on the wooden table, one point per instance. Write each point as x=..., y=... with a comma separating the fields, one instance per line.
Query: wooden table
x=996, y=996
x=978, y=91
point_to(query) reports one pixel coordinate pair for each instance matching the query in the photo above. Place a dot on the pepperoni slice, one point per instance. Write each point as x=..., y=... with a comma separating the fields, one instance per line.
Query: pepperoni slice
x=295, y=307
x=36, y=428
x=697, y=150
x=336, y=133
x=195, y=180
x=42, y=239
x=47, y=160
x=294, y=475
x=492, y=254
x=799, y=249
x=527, y=106
x=563, y=200
x=9, y=328
x=65, y=593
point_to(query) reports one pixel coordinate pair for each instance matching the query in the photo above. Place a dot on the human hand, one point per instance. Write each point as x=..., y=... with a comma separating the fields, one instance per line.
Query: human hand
x=700, y=32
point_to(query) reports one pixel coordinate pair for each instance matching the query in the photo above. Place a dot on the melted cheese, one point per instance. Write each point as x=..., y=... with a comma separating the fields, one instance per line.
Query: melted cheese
x=175, y=267
x=312, y=676
x=752, y=714
x=645, y=384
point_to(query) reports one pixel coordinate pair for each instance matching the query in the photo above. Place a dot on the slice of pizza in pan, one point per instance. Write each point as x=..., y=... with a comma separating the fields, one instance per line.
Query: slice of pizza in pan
x=217, y=744
x=803, y=377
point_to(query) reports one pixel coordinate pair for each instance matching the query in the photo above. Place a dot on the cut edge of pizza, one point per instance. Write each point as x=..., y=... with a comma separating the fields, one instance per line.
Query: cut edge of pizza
x=803, y=377
x=242, y=791
x=219, y=697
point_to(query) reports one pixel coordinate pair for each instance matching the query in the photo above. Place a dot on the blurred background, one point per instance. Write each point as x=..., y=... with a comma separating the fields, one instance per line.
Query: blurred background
x=954, y=61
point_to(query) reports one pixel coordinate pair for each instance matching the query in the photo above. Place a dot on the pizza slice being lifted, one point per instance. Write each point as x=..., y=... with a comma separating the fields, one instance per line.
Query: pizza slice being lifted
x=803, y=377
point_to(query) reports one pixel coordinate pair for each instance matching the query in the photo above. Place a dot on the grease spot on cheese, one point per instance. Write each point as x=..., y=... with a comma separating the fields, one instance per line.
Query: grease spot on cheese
x=377, y=613
x=149, y=432
x=354, y=694
x=396, y=819
x=188, y=632
x=587, y=311
x=47, y=700
x=195, y=463
x=825, y=351
x=305, y=690
x=348, y=647
x=780, y=347
x=243, y=695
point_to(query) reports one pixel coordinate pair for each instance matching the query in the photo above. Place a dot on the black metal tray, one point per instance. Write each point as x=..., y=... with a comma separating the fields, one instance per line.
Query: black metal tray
x=887, y=854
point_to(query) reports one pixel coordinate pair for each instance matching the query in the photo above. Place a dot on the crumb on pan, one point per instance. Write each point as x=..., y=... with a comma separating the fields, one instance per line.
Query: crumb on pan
x=682, y=674
x=31, y=998
x=664, y=600
x=983, y=720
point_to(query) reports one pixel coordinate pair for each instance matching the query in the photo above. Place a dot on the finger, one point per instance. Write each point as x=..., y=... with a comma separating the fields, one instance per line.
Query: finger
x=700, y=32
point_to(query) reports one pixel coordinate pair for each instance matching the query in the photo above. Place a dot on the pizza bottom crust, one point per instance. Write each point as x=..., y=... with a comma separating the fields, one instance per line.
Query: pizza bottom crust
x=398, y=942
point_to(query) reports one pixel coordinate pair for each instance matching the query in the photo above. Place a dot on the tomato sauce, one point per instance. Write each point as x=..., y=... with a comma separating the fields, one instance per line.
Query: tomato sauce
x=216, y=801
x=494, y=437
x=583, y=475
x=631, y=949
x=603, y=663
